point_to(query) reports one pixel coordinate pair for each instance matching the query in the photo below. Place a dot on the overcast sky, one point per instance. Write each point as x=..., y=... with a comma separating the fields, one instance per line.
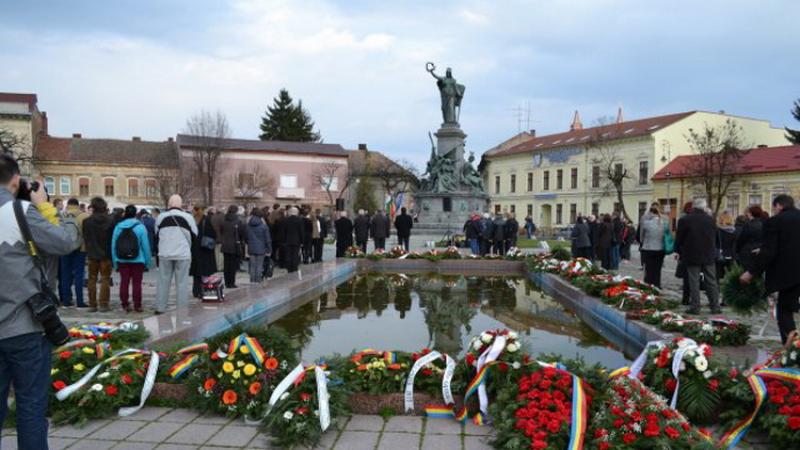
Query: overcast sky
x=141, y=67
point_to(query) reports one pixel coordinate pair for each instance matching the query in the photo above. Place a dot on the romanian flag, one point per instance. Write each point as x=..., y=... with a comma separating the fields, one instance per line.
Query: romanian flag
x=202, y=347
x=439, y=411
x=182, y=366
x=579, y=415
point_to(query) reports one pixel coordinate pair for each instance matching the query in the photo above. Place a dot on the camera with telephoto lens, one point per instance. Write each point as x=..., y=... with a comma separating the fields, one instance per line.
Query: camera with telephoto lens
x=43, y=306
x=25, y=189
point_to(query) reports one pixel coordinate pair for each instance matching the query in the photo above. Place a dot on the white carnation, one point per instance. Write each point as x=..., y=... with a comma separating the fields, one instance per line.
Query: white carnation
x=97, y=387
x=512, y=347
x=288, y=415
x=486, y=338
x=516, y=365
x=701, y=363
x=683, y=343
x=103, y=375
x=477, y=345
x=284, y=396
x=513, y=335
x=707, y=374
x=683, y=366
x=793, y=355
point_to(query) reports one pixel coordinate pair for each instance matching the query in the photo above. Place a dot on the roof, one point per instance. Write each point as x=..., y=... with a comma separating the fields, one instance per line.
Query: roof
x=629, y=129
x=11, y=97
x=255, y=145
x=356, y=162
x=17, y=104
x=112, y=151
x=756, y=160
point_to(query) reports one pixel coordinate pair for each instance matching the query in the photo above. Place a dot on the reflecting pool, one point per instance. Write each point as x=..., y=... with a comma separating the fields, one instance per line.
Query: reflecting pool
x=410, y=312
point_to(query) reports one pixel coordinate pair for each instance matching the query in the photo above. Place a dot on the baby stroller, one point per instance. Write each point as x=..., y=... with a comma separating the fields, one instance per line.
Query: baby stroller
x=213, y=289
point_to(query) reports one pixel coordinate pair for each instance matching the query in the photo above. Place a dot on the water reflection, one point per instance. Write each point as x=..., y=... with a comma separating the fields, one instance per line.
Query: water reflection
x=409, y=312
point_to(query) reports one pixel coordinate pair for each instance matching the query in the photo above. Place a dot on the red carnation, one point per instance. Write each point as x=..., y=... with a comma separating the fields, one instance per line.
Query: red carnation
x=713, y=385
x=126, y=379
x=470, y=359
x=305, y=396
x=629, y=438
x=651, y=430
x=794, y=422
x=59, y=385
x=671, y=384
x=65, y=354
x=111, y=390
x=539, y=444
x=427, y=372
x=672, y=432
x=603, y=445
x=503, y=367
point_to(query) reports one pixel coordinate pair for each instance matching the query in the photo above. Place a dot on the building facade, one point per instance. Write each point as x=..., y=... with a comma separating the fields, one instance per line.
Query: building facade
x=761, y=174
x=21, y=124
x=557, y=177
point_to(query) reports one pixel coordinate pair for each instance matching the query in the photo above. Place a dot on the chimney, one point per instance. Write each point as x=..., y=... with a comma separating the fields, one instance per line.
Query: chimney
x=76, y=136
x=44, y=123
x=136, y=139
x=619, y=115
x=532, y=132
x=362, y=147
x=762, y=146
x=576, y=122
x=170, y=139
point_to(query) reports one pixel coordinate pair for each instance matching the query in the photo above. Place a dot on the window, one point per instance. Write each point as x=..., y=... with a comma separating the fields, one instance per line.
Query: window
x=66, y=185
x=559, y=212
x=83, y=187
x=616, y=207
x=447, y=204
x=513, y=183
x=497, y=184
x=755, y=199
x=618, y=169
x=530, y=181
x=530, y=210
x=733, y=205
x=108, y=187
x=246, y=180
x=559, y=179
x=513, y=209
x=133, y=187
x=642, y=208
x=289, y=181
x=595, y=176
x=150, y=188
x=595, y=209
x=497, y=209
x=573, y=183
x=50, y=184
x=330, y=183
x=573, y=212
x=546, y=181
x=643, y=172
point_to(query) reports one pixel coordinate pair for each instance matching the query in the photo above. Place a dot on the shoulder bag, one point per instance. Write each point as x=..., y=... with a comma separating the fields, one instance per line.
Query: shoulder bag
x=669, y=242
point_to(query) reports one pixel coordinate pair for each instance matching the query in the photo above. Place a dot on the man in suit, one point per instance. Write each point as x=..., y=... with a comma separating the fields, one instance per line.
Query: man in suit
x=779, y=257
x=318, y=234
x=380, y=229
x=361, y=227
x=344, y=233
x=294, y=229
x=695, y=244
x=403, y=224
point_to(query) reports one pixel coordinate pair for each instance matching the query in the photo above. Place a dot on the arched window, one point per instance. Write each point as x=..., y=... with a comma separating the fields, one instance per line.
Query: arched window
x=108, y=187
x=133, y=187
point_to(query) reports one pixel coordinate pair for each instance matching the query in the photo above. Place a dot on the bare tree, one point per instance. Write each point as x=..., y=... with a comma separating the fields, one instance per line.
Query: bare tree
x=394, y=177
x=605, y=152
x=327, y=176
x=251, y=183
x=171, y=178
x=720, y=151
x=208, y=132
x=15, y=145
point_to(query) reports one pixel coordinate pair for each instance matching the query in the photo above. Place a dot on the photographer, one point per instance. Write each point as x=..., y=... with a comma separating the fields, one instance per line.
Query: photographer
x=28, y=321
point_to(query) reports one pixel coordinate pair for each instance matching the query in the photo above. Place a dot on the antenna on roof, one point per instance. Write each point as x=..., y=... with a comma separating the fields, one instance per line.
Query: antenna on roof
x=523, y=114
x=619, y=115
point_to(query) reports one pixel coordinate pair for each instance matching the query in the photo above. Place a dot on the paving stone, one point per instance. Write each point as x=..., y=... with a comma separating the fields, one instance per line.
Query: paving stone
x=476, y=430
x=155, y=432
x=233, y=436
x=179, y=416
x=404, y=424
x=92, y=444
x=176, y=447
x=148, y=414
x=53, y=442
x=357, y=440
x=117, y=430
x=134, y=446
x=71, y=431
x=399, y=441
x=194, y=433
x=442, y=426
x=441, y=441
x=213, y=419
x=328, y=439
x=262, y=442
x=8, y=442
x=365, y=423
x=476, y=443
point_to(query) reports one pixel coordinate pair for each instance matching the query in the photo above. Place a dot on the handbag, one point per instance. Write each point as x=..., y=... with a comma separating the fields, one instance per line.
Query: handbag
x=207, y=242
x=669, y=241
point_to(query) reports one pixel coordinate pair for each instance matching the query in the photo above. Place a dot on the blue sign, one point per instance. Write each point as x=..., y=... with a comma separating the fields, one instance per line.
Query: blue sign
x=562, y=155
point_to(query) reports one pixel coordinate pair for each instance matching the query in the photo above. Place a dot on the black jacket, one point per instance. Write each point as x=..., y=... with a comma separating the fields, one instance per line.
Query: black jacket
x=361, y=227
x=204, y=263
x=696, y=239
x=512, y=231
x=380, y=228
x=403, y=224
x=308, y=230
x=472, y=229
x=97, y=231
x=344, y=232
x=294, y=229
x=604, y=236
x=779, y=256
x=233, y=234
x=748, y=238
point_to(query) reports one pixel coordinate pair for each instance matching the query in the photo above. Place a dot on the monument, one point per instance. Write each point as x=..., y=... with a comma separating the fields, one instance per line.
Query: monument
x=451, y=189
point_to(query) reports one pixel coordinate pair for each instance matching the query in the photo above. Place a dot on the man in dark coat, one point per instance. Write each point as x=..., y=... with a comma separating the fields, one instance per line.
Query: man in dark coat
x=319, y=233
x=695, y=244
x=308, y=230
x=511, y=231
x=779, y=257
x=361, y=228
x=97, y=231
x=380, y=229
x=486, y=228
x=344, y=233
x=403, y=224
x=204, y=262
x=499, y=235
x=294, y=230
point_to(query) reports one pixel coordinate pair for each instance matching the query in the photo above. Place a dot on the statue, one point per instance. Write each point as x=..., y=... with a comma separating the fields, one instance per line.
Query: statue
x=451, y=93
x=471, y=178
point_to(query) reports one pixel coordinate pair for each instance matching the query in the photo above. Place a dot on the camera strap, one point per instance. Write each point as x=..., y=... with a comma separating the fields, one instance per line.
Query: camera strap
x=25, y=230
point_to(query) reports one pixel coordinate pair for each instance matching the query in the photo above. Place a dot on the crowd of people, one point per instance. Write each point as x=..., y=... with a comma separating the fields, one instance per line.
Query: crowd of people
x=492, y=235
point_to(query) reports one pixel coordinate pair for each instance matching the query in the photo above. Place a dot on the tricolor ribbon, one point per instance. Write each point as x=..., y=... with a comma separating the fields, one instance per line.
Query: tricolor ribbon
x=190, y=360
x=252, y=345
x=580, y=411
x=759, y=387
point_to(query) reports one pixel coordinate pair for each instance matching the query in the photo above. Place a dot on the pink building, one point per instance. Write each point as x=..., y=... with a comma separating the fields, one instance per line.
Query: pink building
x=259, y=173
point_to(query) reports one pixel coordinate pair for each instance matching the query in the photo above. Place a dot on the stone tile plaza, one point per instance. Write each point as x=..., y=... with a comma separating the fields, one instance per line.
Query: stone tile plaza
x=261, y=224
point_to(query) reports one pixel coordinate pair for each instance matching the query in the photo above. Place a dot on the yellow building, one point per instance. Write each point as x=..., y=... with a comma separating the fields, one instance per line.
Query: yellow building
x=21, y=124
x=555, y=178
x=760, y=175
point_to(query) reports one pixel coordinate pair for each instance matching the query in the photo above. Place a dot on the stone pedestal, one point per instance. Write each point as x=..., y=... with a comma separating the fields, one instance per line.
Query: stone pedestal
x=434, y=216
x=450, y=139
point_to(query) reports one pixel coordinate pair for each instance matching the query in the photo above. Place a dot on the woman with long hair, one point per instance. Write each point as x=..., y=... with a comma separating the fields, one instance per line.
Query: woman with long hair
x=750, y=237
x=204, y=261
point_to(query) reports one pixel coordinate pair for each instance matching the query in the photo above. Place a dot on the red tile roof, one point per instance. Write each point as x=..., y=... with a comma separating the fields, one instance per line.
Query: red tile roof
x=632, y=128
x=756, y=160
x=110, y=151
x=11, y=97
x=255, y=145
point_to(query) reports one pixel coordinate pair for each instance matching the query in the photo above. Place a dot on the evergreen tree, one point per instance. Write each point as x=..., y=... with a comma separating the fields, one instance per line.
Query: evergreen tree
x=285, y=121
x=794, y=135
x=364, y=196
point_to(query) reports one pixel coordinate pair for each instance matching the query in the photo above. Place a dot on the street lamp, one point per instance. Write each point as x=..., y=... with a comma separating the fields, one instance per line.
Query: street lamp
x=667, y=207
